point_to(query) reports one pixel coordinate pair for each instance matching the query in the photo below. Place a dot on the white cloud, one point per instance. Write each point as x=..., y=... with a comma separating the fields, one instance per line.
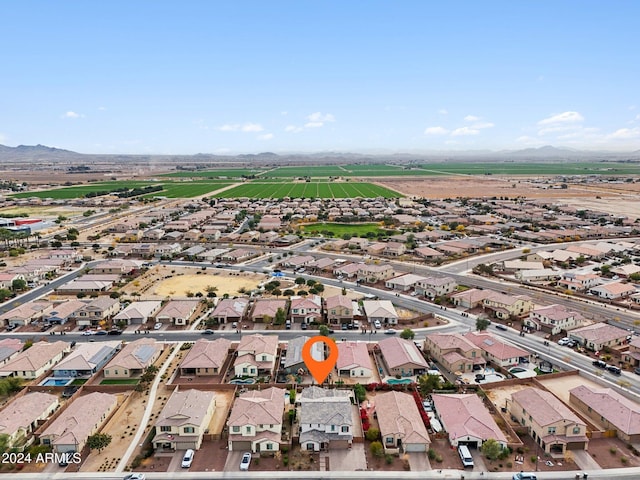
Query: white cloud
x=266, y=136
x=443, y=111
x=527, y=140
x=562, y=118
x=293, y=129
x=481, y=125
x=72, y=115
x=319, y=117
x=471, y=118
x=313, y=124
x=435, y=131
x=102, y=109
x=236, y=127
x=625, y=134
x=464, y=131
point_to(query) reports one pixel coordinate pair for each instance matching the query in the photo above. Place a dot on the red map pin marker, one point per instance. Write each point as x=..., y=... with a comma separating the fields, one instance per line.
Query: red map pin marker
x=320, y=369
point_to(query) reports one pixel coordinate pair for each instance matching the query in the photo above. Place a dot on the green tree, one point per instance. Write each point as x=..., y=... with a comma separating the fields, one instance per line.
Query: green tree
x=429, y=383
x=18, y=285
x=300, y=281
x=407, y=334
x=491, y=449
x=605, y=269
x=323, y=330
x=4, y=442
x=5, y=294
x=482, y=324
x=292, y=396
x=372, y=434
x=98, y=441
x=311, y=282
x=360, y=392
x=376, y=449
x=280, y=317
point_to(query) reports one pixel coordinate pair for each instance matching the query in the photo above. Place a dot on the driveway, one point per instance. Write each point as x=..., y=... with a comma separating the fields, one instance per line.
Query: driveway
x=233, y=461
x=584, y=460
x=350, y=459
x=419, y=462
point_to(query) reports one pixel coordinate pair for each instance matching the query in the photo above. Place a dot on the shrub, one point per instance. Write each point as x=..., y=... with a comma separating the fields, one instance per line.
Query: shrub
x=388, y=459
x=439, y=458
x=431, y=453
x=613, y=450
x=534, y=458
x=372, y=434
x=376, y=449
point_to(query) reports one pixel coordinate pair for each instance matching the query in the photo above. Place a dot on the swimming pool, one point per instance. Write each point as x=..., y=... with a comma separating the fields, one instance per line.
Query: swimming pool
x=56, y=382
x=241, y=381
x=399, y=381
x=517, y=370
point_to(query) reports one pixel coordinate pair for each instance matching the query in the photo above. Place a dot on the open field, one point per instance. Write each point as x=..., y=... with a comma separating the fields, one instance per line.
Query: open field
x=530, y=168
x=307, y=190
x=37, y=212
x=222, y=173
x=181, y=284
x=339, y=229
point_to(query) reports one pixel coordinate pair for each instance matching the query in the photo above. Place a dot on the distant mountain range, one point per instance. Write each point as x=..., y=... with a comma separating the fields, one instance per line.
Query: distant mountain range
x=43, y=153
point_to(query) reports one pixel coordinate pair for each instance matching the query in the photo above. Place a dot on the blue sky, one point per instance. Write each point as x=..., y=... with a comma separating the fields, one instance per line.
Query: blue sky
x=289, y=76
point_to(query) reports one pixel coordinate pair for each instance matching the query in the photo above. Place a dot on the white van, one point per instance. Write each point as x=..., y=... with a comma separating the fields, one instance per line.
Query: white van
x=187, y=459
x=465, y=456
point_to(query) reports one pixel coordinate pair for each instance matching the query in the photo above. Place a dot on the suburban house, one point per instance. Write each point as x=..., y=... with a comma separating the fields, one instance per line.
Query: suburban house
x=264, y=310
x=597, y=336
x=21, y=418
x=230, y=310
x=466, y=420
x=138, y=313
x=26, y=313
x=496, y=351
x=133, y=359
x=471, y=298
x=402, y=357
x=614, y=290
x=81, y=419
x=306, y=309
x=610, y=409
x=35, y=361
x=400, y=422
x=505, y=306
x=554, y=319
x=454, y=352
x=631, y=356
x=9, y=348
x=256, y=355
x=339, y=309
x=97, y=310
x=293, y=362
x=63, y=312
x=182, y=422
x=579, y=282
x=86, y=359
x=205, y=357
x=82, y=285
x=403, y=283
x=326, y=419
x=549, y=422
x=374, y=273
x=433, y=287
x=177, y=312
x=380, y=310
x=255, y=421
x=117, y=266
x=353, y=360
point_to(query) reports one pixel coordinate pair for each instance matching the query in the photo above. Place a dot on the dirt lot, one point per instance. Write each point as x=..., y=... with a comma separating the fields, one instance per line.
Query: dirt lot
x=224, y=399
x=609, y=453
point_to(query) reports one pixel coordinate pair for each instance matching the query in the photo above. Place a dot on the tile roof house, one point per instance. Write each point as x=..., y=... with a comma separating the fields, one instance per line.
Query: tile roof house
x=339, y=309
x=471, y=298
x=256, y=355
x=230, y=310
x=454, y=352
x=63, y=312
x=374, y=273
x=293, y=361
x=206, y=357
x=138, y=313
x=506, y=306
x=9, y=348
x=403, y=283
x=96, y=310
x=402, y=357
x=81, y=419
x=133, y=359
x=26, y=313
x=400, y=422
x=466, y=419
x=255, y=421
x=21, y=417
x=597, y=336
x=381, y=310
x=326, y=419
x=354, y=360
x=614, y=290
x=495, y=350
x=554, y=319
x=86, y=359
x=609, y=408
x=177, y=312
x=265, y=309
x=553, y=426
x=306, y=309
x=433, y=287
x=35, y=361
x=183, y=421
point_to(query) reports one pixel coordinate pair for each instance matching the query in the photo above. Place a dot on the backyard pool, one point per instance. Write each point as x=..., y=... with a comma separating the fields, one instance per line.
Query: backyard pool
x=399, y=381
x=56, y=382
x=241, y=381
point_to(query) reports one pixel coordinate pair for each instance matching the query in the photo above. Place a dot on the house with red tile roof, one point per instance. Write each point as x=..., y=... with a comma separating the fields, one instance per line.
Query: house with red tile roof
x=495, y=350
x=402, y=357
x=205, y=357
x=256, y=355
x=354, y=360
x=401, y=426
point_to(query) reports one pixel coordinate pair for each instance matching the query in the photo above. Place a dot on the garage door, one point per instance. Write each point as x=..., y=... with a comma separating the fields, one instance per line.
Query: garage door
x=469, y=444
x=241, y=446
x=415, y=447
x=185, y=445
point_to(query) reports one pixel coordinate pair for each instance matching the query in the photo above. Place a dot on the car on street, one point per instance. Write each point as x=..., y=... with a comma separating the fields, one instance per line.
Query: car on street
x=246, y=461
x=524, y=476
x=615, y=370
x=88, y=332
x=599, y=364
x=636, y=370
x=564, y=341
x=157, y=326
x=115, y=332
x=208, y=331
x=102, y=332
x=390, y=331
x=187, y=460
x=135, y=476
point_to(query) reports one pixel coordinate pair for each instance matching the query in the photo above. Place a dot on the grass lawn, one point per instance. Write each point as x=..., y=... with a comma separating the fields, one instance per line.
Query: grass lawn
x=119, y=381
x=339, y=229
x=79, y=381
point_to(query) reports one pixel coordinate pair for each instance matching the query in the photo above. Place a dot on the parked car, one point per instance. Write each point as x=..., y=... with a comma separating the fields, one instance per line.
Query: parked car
x=390, y=331
x=499, y=326
x=377, y=324
x=135, y=476
x=208, y=331
x=599, y=364
x=115, y=332
x=564, y=341
x=187, y=460
x=303, y=326
x=88, y=332
x=102, y=332
x=615, y=370
x=157, y=326
x=636, y=370
x=246, y=461
x=524, y=476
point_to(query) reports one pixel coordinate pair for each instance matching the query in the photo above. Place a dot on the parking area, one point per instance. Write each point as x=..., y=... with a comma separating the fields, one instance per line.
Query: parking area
x=347, y=460
x=232, y=463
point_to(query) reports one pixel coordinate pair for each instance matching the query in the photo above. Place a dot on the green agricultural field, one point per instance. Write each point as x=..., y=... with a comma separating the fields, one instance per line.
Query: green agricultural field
x=222, y=173
x=322, y=171
x=340, y=229
x=307, y=190
x=187, y=189
x=522, y=168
